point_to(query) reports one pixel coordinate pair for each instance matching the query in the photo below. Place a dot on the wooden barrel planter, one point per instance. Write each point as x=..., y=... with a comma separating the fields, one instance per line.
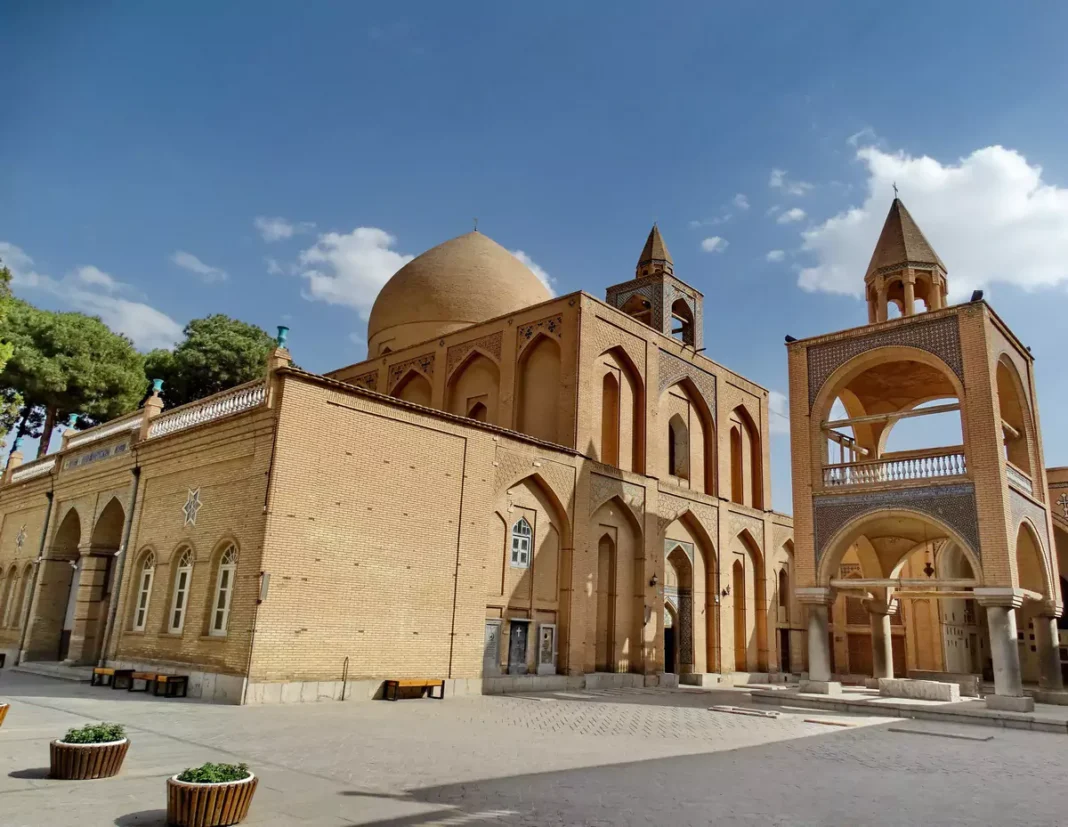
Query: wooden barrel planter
x=209, y=805
x=79, y=762
x=3, y=712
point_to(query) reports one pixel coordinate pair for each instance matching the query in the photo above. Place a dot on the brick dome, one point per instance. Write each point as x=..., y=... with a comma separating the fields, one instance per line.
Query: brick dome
x=466, y=280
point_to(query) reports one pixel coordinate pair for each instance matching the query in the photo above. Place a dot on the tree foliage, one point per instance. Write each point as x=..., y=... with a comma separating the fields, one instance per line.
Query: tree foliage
x=217, y=353
x=64, y=363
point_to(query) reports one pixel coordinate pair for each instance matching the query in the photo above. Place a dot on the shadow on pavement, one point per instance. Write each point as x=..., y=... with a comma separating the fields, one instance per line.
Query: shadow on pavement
x=145, y=817
x=36, y=772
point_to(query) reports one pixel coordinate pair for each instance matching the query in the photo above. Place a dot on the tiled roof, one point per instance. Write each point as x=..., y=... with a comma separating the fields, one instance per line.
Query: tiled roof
x=901, y=241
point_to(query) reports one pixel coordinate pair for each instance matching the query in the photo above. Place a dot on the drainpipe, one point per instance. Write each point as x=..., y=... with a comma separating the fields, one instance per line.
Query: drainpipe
x=33, y=582
x=116, y=589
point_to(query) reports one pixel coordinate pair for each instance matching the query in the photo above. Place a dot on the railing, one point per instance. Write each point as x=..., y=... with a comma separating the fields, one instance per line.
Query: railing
x=196, y=413
x=946, y=463
x=104, y=431
x=1019, y=478
x=37, y=469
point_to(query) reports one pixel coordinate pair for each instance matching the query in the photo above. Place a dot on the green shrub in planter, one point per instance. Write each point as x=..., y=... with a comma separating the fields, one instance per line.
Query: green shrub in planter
x=101, y=733
x=215, y=773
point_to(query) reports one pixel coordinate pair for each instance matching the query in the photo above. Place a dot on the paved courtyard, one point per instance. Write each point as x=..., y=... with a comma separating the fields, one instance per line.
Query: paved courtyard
x=567, y=758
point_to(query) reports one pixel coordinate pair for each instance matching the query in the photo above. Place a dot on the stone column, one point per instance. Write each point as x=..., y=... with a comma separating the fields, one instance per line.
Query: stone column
x=1001, y=605
x=881, y=306
x=909, y=283
x=818, y=600
x=882, y=651
x=1049, y=655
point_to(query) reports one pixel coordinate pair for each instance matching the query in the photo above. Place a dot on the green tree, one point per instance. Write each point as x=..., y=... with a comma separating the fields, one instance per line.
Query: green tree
x=6, y=347
x=217, y=353
x=64, y=363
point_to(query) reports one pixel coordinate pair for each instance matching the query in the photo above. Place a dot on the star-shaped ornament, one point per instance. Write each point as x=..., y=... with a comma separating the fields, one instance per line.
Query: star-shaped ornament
x=192, y=506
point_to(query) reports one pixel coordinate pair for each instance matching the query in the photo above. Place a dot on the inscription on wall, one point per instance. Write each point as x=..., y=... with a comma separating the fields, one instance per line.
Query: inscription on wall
x=97, y=455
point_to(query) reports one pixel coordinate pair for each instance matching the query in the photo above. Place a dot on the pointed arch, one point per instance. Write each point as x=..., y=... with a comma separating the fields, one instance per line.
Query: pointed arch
x=1032, y=567
x=619, y=580
x=702, y=433
x=107, y=533
x=686, y=530
x=414, y=387
x=68, y=536
x=682, y=315
x=476, y=380
x=754, y=631
x=747, y=460
x=537, y=389
x=621, y=436
x=1018, y=439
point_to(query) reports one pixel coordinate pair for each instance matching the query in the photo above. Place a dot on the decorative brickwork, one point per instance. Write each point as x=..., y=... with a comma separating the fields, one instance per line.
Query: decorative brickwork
x=423, y=364
x=743, y=522
x=674, y=369
x=490, y=345
x=552, y=326
x=953, y=505
x=940, y=337
x=603, y=488
x=369, y=381
x=672, y=507
x=513, y=468
x=661, y=291
x=1022, y=507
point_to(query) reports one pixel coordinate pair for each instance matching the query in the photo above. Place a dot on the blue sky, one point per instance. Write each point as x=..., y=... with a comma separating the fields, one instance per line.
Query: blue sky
x=141, y=143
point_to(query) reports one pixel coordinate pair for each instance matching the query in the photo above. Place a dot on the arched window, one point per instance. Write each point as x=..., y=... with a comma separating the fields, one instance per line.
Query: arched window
x=784, y=596
x=521, y=541
x=144, y=591
x=737, y=484
x=682, y=315
x=180, y=601
x=678, y=448
x=610, y=419
x=478, y=412
x=224, y=590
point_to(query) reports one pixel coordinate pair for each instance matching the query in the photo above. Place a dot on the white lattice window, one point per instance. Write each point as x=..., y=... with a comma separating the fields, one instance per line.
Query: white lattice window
x=224, y=590
x=144, y=591
x=521, y=540
x=180, y=601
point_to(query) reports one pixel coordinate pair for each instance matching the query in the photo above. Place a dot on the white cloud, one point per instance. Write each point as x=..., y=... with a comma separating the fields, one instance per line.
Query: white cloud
x=778, y=413
x=543, y=277
x=276, y=228
x=740, y=201
x=90, y=290
x=188, y=261
x=273, y=267
x=778, y=180
x=714, y=244
x=990, y=217
x=775, y=255
x=349, y=269
x=792, y=215
x=865, y=136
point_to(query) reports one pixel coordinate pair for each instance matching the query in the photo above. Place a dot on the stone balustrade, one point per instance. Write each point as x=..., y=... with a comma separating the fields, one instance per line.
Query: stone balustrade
x=236, y=400
x=35, y=469
x=1019, y=479
x=104, y=431
x=898, y=468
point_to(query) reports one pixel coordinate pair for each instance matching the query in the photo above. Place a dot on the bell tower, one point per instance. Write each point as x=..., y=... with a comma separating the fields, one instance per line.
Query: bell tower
x=656, y=298
x=904, y=268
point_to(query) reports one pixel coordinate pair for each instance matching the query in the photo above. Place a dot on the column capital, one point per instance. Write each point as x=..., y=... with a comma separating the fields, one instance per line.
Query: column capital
x=1004, y=596
x=1052, y=608
x=815, y=595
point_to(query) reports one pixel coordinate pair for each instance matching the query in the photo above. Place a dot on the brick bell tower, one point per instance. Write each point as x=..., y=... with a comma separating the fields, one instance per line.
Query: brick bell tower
x=958, y=536
x=656, y=298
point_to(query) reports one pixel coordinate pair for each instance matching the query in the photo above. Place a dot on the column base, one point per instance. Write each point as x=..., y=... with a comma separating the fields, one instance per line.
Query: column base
x=821, y=687
x=1007, y=703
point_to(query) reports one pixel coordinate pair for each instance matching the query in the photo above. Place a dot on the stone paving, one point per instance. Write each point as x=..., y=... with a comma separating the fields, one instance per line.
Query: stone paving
x=567, y=758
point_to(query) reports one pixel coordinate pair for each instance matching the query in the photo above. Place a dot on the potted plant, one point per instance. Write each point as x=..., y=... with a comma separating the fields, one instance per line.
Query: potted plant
x=211, y=795
x=92, y=751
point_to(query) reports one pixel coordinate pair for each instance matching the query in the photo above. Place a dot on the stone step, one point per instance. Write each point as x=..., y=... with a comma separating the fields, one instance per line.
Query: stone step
x=60, y=671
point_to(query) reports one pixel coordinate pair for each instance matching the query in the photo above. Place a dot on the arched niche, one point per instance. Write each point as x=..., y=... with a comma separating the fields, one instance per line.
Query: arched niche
x=476, y=381
x=619, y=440
x=1017, y=425
x=538, y=389
x=686, y=534
x=747, y=460
x=415, y=388
x=618, y=588
x=684, y=400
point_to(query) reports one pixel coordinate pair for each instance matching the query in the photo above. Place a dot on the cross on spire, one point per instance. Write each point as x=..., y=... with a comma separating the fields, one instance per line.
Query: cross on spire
x=895, y=189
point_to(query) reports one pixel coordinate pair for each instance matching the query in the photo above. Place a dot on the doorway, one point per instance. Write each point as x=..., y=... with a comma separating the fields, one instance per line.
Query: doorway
x=491, y=651
x=784, y=650
x=670, y=647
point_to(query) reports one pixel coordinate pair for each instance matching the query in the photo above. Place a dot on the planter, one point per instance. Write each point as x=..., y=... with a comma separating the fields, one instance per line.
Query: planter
x=79, y=762
x=3, y=713
x=209, y=805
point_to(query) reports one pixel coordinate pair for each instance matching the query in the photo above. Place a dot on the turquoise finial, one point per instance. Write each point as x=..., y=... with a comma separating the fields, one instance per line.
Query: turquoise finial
x=283, y=334
x=72, y=420
x=18, y=444
x=157, y=385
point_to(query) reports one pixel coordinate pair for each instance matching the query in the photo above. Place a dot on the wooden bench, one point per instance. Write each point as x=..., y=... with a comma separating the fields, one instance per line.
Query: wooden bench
x=172, y=685
x=426, y=687
x=108, y=676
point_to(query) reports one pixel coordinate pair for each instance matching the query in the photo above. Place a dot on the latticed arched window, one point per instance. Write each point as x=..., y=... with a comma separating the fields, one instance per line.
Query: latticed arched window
x=521, y=540
x=224, y=590
x=144, y=591
x=182, y=575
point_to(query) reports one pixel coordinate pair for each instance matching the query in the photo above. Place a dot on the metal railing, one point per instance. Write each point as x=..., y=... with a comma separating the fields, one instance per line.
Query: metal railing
x=1019, y=478
x=232, y=401
x=36, y=469
x=928, y=465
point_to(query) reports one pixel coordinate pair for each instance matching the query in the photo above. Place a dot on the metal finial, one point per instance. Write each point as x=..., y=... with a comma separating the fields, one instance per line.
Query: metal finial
x=895, y=189
x=476, y=225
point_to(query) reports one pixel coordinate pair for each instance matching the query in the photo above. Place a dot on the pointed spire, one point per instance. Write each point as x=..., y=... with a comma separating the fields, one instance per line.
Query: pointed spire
x=655, y=255
x=902, y=242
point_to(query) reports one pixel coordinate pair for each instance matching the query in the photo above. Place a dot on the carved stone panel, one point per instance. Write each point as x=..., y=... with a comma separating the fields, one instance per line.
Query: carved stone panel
x=953, y=505
x=490, y=345
x=672, y=507
x=423, y=364
x=603, y=488
x=1022, y=507
x=940, y=337
x=368, y=381
x=552, y=326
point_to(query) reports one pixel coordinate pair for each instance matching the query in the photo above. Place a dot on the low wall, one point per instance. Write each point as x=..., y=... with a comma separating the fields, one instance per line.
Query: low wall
x=919, y=690
x=206, y=686
x=969, y=684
